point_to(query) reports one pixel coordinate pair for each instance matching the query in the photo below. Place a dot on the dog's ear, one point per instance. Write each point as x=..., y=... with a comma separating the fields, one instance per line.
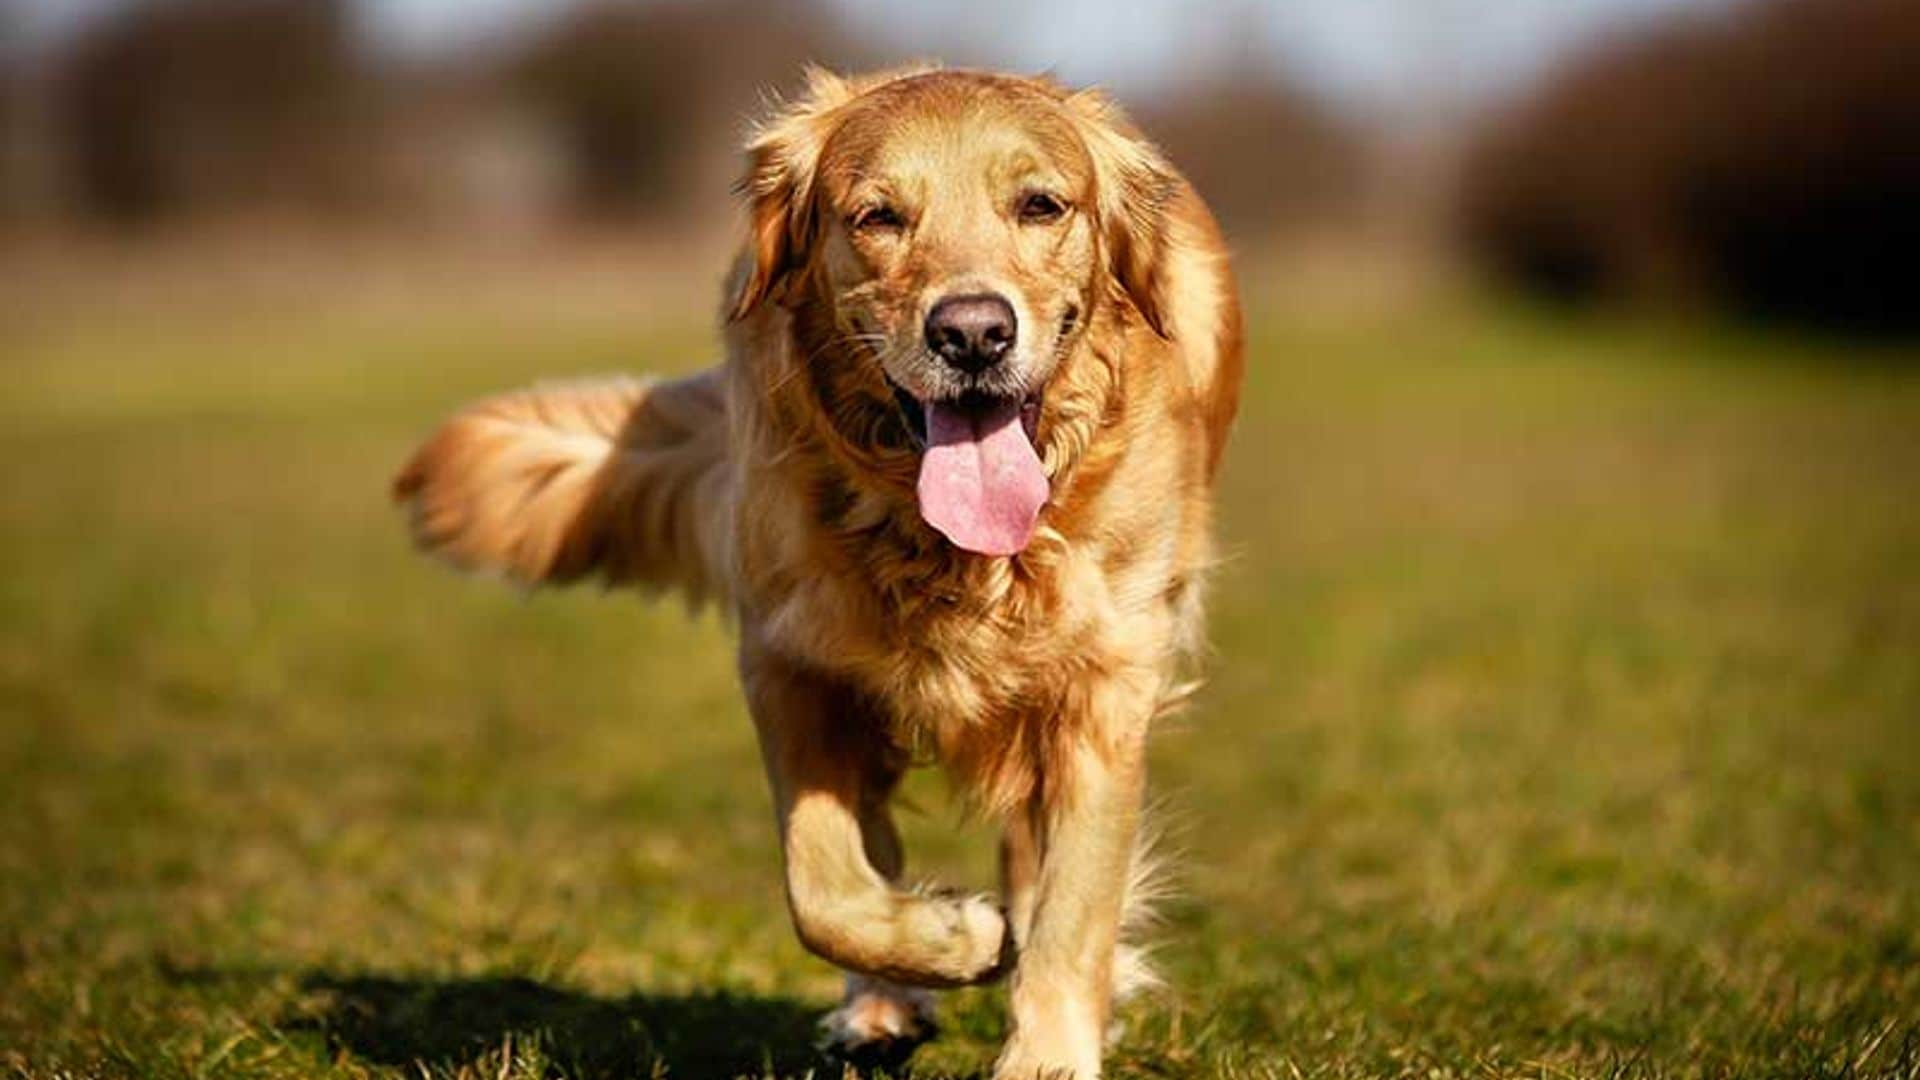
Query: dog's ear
x=782, y=157
x=1134, y=188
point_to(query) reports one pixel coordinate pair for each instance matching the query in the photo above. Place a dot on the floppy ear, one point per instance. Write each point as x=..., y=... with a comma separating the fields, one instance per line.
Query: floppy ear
x=782, y=156
x=778, y=189
x=1135, y=186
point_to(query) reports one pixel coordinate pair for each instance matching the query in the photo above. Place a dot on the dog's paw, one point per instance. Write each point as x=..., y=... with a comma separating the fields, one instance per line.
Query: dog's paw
x=1016, y=1063
x=1054, y=1037
x=878, y=1025
x=983, y=926
x=944, y=938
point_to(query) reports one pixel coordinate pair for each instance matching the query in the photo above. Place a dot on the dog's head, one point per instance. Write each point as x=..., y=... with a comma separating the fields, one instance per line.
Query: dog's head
x=954, y=234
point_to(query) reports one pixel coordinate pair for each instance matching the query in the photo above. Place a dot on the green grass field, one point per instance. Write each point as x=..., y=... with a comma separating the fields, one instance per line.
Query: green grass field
x=1565, y=721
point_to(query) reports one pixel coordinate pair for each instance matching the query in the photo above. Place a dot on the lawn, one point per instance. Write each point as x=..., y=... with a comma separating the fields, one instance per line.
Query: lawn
x=1565, y=717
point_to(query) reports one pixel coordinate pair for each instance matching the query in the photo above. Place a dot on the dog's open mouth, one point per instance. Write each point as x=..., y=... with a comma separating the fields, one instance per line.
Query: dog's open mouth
x=914, y=411
x=981, y=481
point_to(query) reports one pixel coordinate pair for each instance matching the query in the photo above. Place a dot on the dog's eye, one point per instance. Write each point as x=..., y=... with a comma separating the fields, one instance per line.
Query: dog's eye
x=1039, y=208
x=878, y=217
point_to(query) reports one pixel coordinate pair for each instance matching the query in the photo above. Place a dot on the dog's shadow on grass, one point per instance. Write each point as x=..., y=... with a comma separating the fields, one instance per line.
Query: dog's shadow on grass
x=453, y=1024
x=400, y=1021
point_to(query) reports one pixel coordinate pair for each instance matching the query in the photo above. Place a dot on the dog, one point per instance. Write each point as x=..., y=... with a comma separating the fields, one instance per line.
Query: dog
x=954, y=482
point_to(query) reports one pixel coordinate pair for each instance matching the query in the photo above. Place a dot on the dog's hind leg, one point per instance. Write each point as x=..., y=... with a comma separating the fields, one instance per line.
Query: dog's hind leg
x=878, y=1023
x=820, y=743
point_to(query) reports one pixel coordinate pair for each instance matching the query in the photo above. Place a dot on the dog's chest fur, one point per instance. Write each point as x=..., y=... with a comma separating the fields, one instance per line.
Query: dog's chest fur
x=977, y=658
x=987, y=661
x=983, y=662
x=937, y=635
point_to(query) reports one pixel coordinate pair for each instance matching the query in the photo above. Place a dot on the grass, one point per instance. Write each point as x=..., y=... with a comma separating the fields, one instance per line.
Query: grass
x=1563, y=721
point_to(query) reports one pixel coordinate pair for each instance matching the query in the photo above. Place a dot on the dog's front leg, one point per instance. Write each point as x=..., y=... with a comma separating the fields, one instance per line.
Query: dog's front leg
x=820, y=747
x=879, y=1022
x=1089, y=815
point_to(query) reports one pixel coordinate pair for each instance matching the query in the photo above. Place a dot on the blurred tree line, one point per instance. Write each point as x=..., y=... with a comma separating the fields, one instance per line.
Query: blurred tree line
x=1762, y=158
x=617, y=110
x=173, y=107
x=1765, y=160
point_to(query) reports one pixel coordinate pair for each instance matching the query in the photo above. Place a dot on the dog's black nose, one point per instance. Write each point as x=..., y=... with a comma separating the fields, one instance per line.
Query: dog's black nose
x=972, y=333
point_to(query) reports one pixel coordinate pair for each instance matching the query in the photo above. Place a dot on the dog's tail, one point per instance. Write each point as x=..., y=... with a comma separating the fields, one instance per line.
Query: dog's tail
x=622, y=480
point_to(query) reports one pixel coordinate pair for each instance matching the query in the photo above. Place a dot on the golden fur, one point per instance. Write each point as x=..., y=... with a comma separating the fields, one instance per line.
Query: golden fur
x=782, y=483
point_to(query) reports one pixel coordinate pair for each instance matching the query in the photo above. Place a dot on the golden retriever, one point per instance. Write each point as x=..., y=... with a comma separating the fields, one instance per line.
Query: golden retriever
x=954, y=482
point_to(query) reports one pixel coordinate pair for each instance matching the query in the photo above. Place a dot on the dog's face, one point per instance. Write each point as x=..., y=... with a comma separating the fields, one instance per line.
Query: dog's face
x=950, y=234
x=956, y=238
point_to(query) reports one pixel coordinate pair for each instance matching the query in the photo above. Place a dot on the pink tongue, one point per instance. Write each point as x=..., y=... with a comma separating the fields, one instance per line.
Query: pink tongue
x=981, y=484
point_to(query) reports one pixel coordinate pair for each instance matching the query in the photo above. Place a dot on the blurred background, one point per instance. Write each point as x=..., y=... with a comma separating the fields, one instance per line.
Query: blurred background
x=1563, y=718
x=1753, y=158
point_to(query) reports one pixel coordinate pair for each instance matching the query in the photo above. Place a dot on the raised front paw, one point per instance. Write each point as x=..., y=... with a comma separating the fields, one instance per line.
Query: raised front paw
x=967, y=932
x=915, y=938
